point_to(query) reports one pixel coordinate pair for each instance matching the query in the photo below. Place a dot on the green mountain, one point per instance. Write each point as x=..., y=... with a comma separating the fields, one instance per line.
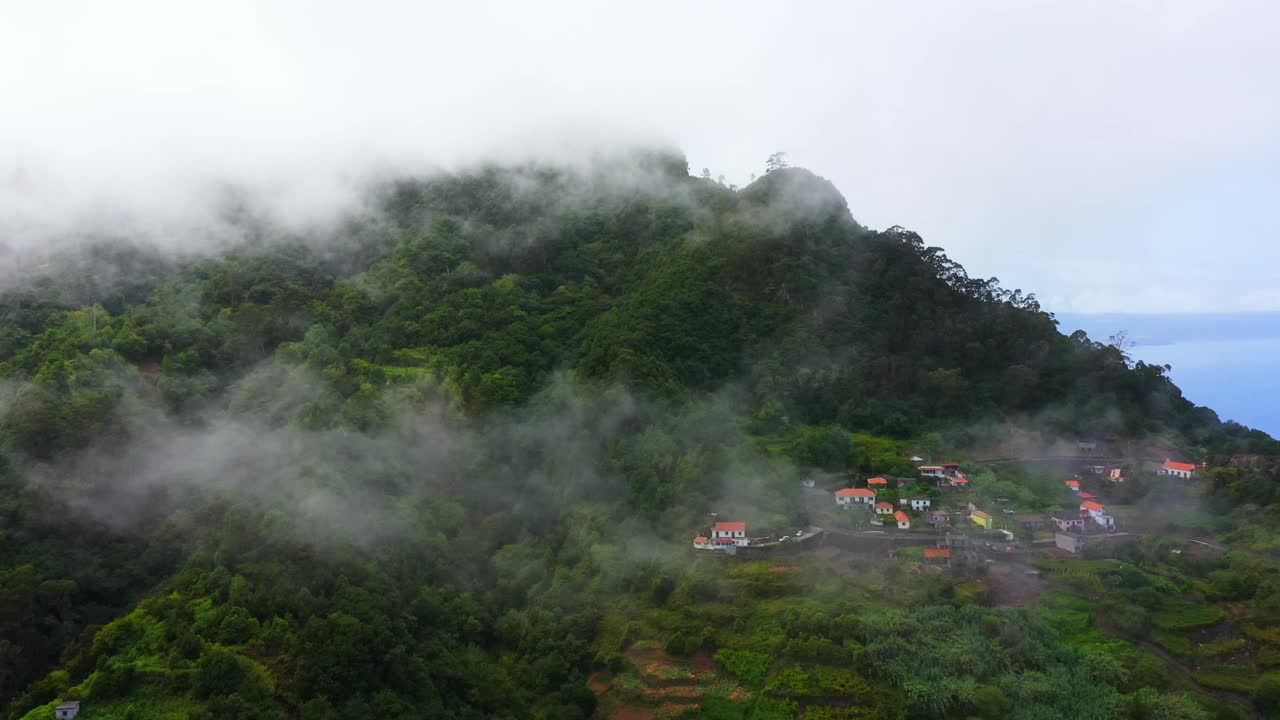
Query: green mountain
x=445, y=460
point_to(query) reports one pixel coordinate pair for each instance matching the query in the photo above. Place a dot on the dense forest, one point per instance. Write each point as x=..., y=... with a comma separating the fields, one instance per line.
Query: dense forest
x=443, y=459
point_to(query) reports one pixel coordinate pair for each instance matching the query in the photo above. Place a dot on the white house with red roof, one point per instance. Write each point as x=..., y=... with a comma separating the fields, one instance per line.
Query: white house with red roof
x=877, y=482
x=847, y=497
x=884, y=508
x=904, y=522
x=729, y=533
x=933, y=471
x=1091, y=508
x=1177, y=469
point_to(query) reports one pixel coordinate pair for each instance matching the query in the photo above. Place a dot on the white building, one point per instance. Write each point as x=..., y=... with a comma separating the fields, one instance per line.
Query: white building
x=855, y=496
x=729, y=533
x=1177, y=469
x=67, y=710
x=916, y=503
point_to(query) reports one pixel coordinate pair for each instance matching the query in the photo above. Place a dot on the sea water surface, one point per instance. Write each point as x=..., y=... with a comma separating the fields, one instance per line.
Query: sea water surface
x=1228, y=362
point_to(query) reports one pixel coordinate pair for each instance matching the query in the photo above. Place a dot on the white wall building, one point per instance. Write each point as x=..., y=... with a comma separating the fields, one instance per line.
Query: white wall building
x=729, y=533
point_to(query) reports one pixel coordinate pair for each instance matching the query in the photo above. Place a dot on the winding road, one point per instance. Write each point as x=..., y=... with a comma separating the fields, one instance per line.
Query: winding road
x=1184, y=672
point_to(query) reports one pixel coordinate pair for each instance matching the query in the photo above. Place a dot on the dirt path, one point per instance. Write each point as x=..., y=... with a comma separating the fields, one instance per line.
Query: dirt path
x=1184, y=672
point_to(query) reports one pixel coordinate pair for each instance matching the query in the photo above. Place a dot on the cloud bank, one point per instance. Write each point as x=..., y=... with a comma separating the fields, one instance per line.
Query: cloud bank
x=1109, y=156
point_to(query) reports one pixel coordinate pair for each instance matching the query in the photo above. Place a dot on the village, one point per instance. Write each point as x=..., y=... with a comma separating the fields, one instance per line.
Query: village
x=936, y=509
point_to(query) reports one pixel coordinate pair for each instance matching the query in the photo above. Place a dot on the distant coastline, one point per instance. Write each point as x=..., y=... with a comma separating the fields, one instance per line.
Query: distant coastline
x=1227, y=361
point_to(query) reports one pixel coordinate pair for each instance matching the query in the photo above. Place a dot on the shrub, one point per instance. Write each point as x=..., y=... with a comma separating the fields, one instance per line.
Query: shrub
x=1266, y=693
x=1233, y=682
x=748, y=666
x=1186, y=616
x=774, y=709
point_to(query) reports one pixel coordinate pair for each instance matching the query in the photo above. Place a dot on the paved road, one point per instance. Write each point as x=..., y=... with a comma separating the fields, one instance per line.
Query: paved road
x=1091, y=459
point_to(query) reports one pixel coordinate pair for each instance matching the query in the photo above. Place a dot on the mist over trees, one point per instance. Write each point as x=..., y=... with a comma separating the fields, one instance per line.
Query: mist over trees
x=401, y=468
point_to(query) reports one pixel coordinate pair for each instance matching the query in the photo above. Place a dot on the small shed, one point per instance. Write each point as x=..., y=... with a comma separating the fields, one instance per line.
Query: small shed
x=904, y=522
x=67, y=710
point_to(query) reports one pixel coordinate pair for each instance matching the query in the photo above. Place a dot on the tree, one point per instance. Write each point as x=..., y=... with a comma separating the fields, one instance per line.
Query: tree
x=1266, y=693
x=776, y=161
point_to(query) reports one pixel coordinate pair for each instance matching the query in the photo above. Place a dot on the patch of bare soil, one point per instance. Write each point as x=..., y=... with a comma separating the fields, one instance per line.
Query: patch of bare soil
x=1010, y=584
x=599, y=682
x=700, y=663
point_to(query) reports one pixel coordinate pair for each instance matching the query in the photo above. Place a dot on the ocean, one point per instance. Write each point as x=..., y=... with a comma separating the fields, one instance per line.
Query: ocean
x=1228, y=362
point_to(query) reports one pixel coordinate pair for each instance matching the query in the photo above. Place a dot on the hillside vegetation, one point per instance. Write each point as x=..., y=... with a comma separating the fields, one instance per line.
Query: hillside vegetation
x=444, y=461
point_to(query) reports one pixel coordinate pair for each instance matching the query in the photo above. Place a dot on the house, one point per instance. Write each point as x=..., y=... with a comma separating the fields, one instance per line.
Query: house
x=981, y=518
x=937, y=554
x=951, y=468
x=1068, y=523
x=884, y=508
x=729, y=533
x=1073, y=484
x=1090, y=508
x=964, y=507
x=1086, y=496
x=904, y=522
x=916, y=458
x=938, y=516
x=855, y=496
x=1114, y=474
x=917, y=503
x=67, y=710
x=1030, y=522
x=933, y=471
x=877, y=482
x=1177, y=469
x=1070, y=542
x=702, y=542
x=1105, y=521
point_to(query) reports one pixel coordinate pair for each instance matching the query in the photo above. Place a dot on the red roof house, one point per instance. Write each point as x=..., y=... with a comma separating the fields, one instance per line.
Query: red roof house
x=854, y=492
x=884, y=508
x=730, y=533
x=904, y=522
x=1087, y=496
x=933, y=553
x=1177, y=469
x=855, y=496
x=877, y=481
x=1073, y=484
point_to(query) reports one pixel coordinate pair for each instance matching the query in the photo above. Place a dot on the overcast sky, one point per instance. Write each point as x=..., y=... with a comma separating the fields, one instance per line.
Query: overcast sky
x=1109, y=156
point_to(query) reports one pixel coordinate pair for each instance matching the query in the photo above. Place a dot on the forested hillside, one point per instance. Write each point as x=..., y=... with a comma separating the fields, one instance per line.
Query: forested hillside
x=416, y=464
